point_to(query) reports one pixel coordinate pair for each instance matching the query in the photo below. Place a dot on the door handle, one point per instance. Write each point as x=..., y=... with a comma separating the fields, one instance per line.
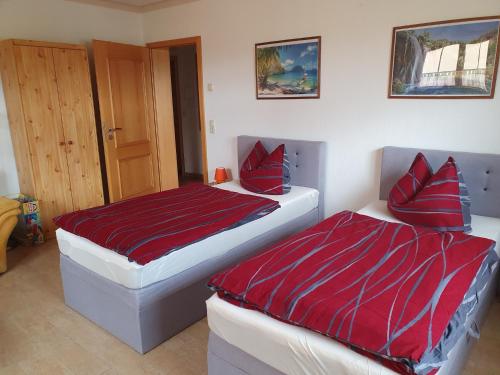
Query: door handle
x=111, y=132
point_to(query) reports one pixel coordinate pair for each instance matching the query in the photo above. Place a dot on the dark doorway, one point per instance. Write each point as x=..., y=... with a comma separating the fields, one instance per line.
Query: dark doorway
x=184, y=77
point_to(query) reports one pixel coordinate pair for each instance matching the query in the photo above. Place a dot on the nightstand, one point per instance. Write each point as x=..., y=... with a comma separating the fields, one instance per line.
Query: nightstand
x=213, y=183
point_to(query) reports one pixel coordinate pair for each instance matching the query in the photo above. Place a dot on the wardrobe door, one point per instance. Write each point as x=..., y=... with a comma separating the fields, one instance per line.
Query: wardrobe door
x=39, y=96
x=78, y=121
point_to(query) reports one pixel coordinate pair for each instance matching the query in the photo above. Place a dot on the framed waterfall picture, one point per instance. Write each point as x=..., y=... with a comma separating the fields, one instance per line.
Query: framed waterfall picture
x=288, y=69
x=452, y=59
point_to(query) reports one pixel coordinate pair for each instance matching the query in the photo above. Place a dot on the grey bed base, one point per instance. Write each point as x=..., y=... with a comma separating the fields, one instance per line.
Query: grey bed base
x=144, y=318
x=481, y=173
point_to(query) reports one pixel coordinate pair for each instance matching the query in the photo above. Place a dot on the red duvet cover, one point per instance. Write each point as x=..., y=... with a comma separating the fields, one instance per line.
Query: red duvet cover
x=385, y=289
x=149, y=227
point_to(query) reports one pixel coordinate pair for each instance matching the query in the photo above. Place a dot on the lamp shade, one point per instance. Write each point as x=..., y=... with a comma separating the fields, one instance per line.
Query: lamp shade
x=220, y=175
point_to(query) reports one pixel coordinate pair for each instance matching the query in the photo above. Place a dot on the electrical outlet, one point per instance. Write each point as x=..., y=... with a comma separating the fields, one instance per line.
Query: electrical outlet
x=211, y=126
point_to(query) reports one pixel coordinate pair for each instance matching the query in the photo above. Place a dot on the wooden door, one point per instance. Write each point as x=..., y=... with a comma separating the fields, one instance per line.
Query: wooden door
x=164, y=111
x=77, y=112
x=39, y=96
x=124, y=83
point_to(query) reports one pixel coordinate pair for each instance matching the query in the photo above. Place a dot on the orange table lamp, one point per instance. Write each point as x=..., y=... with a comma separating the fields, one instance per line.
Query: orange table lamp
x=220, y=175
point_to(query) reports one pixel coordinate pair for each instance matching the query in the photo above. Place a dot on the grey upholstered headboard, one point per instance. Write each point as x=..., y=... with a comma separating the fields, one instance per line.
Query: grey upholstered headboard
x=481, y=173
x=307, y=161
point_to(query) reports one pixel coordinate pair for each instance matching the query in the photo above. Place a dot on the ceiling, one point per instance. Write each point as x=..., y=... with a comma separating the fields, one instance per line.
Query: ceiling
x=134, y=5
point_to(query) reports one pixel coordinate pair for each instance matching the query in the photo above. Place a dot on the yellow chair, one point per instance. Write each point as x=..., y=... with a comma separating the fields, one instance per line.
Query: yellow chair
x=9, y=209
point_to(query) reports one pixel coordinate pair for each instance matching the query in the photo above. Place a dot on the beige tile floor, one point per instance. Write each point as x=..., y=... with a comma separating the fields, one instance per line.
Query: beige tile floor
x=40, y=335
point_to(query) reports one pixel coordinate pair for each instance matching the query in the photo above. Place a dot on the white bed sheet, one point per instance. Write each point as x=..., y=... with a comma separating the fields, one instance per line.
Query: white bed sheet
x=296, y=350
x=290, y=349
x=299, y=201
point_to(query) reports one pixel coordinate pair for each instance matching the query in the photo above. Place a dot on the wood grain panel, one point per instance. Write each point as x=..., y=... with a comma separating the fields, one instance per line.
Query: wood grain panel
x=78, y=119
x=14, y=103
x=128, y=85
x=143, y=181
x=42, y=115
x=162, y=84
x=36, y=43
x=125, y=89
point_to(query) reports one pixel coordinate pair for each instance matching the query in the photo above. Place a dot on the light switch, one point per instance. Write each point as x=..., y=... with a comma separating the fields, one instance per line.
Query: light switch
x=211, y=126
x=210, y=87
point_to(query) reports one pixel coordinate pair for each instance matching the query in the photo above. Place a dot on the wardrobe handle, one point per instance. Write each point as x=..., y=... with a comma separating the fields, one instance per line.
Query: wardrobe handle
x=70, y=143
x=62, y=143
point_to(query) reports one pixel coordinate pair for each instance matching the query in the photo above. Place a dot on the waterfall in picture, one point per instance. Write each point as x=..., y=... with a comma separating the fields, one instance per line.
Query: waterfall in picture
x=418, y=61
x=446, y=59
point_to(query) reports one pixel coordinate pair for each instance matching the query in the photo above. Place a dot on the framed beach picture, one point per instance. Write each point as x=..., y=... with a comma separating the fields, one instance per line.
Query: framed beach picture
x=450, y=59
x=288, y=69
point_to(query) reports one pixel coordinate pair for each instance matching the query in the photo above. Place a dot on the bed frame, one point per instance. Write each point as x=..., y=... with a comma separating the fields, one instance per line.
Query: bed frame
x=481, y=173
x=144, y=318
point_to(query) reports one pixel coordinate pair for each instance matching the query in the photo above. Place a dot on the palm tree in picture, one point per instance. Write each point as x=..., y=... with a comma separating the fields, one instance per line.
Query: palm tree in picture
x=268, y=63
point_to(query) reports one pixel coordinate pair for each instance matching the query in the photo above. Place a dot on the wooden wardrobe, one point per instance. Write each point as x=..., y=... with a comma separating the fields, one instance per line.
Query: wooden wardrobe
x=51, y=115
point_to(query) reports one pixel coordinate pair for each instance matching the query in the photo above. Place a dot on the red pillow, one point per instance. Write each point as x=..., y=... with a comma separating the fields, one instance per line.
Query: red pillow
x=440, y=201
x=265, y=173
x=412, y=182
x=257, y=154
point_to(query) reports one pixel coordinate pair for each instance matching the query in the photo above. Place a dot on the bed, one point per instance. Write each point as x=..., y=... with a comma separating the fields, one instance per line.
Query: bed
x=244, y=341
x=145, y=305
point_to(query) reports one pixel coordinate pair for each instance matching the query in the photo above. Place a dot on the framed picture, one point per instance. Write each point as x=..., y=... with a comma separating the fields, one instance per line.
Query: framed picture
x=288, y=69
x=451, y=59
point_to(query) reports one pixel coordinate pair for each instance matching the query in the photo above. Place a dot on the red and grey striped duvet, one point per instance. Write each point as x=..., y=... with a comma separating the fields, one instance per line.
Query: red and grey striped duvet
x=383, y=288
x=149, y=227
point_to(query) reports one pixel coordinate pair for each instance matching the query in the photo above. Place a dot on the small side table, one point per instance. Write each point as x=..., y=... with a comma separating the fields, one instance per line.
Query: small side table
x=213, y=183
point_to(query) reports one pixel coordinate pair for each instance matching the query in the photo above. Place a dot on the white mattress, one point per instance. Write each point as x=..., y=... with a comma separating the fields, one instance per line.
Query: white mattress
x=290, y=349
x=296, y=350
x=299, y=201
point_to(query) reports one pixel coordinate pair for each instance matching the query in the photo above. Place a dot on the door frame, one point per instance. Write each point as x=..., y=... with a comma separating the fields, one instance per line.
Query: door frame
x=196, y=41
x=179, y=144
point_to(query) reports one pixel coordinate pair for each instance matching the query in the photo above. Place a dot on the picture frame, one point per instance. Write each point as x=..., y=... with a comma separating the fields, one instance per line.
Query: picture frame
x=455, y=59
x=288, y=69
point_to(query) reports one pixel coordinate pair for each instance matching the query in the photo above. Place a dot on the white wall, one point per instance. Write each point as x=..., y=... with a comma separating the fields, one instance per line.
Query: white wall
x=353, y=115
x=56, y=21
x=67, y=21
x=8, y=174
